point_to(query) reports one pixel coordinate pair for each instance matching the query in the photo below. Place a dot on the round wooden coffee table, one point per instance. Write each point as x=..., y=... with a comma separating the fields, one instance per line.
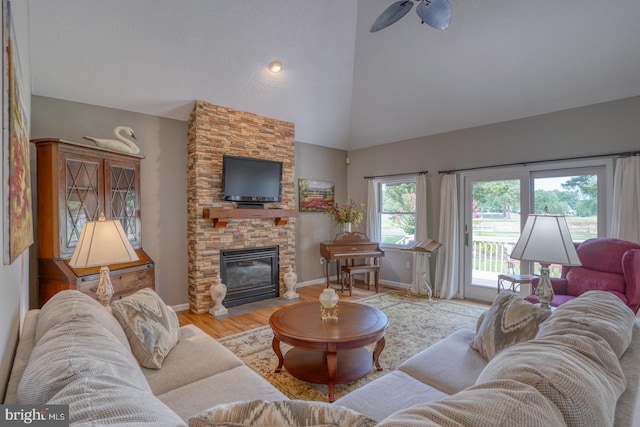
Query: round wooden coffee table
x=328, y=351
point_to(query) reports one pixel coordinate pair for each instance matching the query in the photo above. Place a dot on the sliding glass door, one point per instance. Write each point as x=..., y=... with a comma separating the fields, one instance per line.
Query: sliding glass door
x=492, y=226
x=496, y=205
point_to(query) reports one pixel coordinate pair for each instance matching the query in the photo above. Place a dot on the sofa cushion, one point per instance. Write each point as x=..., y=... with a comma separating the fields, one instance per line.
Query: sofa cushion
x=449, y=365
x=280, y=413
x=389, y=393
x=74, y=350
x=99, y=401
x=239, y=383
x=74, y=305
x=571, y=361
x=509, y=320
x=628, y=407
x=151, y=327
x=596, y=314
x=497, y=403
x=23, y=352
x=190, y=360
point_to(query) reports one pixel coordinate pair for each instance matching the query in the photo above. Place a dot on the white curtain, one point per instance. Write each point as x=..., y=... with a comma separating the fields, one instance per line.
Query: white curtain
x=625, y=223
x=420, y=260
x=448, y=255
x=373, y=220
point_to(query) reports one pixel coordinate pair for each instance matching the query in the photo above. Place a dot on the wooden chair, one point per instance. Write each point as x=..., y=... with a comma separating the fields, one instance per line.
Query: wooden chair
x=348, y=272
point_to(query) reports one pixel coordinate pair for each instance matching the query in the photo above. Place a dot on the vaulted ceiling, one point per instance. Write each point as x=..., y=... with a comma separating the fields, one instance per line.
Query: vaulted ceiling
x=342, y=86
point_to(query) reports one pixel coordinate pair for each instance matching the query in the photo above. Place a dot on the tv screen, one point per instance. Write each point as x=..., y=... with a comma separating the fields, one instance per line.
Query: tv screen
x=251, y=180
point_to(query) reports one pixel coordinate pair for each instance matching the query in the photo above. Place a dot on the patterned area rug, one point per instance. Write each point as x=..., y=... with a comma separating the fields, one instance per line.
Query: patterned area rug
x=414, y=324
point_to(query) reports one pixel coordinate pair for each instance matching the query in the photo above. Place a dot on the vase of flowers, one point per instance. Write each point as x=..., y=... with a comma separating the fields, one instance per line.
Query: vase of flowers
x=349, y=214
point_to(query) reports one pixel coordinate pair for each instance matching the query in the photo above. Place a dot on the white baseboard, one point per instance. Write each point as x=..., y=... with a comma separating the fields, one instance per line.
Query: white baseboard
x=180, y=307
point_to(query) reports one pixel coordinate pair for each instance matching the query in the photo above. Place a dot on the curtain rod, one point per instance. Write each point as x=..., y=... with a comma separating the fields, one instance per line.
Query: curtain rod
x=397, y=174
x=626, y=154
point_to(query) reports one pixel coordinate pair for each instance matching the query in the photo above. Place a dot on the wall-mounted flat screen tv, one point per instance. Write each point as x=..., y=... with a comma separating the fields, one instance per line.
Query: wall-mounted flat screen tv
x=252, y=181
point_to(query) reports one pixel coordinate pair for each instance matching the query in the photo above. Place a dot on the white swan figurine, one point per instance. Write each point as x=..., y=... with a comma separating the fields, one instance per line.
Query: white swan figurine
x=121, y=144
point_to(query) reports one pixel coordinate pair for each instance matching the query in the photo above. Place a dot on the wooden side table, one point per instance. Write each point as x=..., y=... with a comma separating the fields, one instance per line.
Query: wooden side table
x=515, y=280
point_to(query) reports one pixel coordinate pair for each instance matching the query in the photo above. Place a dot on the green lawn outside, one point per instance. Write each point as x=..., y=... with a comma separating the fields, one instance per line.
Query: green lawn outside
x=581, y=228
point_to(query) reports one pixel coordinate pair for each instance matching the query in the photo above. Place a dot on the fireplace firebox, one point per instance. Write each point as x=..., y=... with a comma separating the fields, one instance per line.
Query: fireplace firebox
x=251, y=274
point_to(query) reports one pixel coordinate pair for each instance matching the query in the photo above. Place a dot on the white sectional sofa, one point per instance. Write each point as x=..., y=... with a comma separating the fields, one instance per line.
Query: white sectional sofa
x=75, y=352
x=580, y=369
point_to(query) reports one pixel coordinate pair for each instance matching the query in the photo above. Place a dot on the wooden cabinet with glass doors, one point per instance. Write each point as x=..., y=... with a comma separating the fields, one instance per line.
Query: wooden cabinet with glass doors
x=75, y=183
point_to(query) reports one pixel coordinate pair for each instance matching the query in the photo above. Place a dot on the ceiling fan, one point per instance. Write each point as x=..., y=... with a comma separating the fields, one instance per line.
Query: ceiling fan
x=435, y=13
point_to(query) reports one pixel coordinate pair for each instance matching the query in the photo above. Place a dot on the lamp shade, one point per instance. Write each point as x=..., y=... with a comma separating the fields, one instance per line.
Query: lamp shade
x=546, y=239
x=102, y=243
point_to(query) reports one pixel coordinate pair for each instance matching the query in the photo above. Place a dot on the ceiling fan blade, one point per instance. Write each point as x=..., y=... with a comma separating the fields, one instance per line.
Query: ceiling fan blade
x=436, y=13
x=391, y=14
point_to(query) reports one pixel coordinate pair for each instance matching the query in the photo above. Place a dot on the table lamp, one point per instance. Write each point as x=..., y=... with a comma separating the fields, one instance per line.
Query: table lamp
x=546, y=239
x=102, y=243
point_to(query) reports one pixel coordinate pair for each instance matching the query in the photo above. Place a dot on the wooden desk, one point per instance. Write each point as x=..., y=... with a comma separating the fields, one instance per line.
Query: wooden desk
x=319, y=346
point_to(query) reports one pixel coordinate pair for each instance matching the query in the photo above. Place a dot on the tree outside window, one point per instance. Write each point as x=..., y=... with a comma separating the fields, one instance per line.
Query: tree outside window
x=398, y=211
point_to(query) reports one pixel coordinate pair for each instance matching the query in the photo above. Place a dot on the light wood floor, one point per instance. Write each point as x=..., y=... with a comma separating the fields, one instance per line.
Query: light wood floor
x=218, y=328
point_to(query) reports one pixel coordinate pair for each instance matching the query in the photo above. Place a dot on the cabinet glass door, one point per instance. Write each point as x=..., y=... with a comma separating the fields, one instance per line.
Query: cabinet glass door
x=123, y=199
x=82, y=200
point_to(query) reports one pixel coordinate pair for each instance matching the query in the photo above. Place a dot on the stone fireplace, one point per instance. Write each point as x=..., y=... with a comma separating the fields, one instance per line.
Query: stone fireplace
x=213, y=132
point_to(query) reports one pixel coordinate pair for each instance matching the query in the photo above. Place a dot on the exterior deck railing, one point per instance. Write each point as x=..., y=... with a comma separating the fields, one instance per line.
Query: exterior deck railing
x=492, y=255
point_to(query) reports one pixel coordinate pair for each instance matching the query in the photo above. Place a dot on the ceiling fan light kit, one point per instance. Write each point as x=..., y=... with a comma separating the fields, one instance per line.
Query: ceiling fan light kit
x=435, y=13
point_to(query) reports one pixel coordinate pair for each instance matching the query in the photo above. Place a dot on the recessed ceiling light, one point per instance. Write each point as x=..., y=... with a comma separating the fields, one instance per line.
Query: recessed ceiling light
x=275, y=66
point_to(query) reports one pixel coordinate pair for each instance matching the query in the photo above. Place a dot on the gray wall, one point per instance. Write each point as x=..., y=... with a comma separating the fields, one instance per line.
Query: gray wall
x=14, y=278
x=604, y=128
x=163, y=142
x=324, y=164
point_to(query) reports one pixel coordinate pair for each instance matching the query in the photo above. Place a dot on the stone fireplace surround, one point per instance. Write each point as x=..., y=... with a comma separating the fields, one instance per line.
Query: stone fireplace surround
x=215, y=131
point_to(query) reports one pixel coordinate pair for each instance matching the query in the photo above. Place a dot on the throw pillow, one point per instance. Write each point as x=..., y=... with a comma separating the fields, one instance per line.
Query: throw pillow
x=510, y=320
x=151, y=326
x=280, y=413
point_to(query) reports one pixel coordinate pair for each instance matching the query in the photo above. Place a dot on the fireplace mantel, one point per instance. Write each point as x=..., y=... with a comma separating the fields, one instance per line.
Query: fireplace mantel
x=221, y=216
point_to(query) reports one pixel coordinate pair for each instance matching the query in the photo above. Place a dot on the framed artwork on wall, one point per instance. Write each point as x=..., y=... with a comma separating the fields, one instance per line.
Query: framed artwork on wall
x=17, y=215
x=315, y=196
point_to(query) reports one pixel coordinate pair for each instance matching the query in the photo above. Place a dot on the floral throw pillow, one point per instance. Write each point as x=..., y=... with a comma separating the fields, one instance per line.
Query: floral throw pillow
x=510, y=320
x=150, y=325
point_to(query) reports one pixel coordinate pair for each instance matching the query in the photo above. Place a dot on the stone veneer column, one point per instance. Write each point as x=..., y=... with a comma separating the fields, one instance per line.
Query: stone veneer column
x=213, y=132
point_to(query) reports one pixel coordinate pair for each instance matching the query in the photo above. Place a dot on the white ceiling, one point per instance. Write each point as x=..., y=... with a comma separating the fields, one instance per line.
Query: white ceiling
x=342, y=86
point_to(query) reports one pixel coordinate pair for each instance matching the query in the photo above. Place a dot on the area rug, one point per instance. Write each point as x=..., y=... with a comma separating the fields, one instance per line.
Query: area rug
x=414, y=324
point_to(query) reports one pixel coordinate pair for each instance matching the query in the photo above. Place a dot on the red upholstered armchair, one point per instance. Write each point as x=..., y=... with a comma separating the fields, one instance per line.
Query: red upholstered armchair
x=610, y=265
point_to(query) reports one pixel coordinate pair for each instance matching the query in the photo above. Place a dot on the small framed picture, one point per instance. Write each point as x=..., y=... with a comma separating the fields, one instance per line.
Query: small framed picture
x=315, y=196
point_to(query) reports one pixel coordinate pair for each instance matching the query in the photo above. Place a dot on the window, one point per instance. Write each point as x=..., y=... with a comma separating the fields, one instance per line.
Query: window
x=397, y=211
x=577, y=194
